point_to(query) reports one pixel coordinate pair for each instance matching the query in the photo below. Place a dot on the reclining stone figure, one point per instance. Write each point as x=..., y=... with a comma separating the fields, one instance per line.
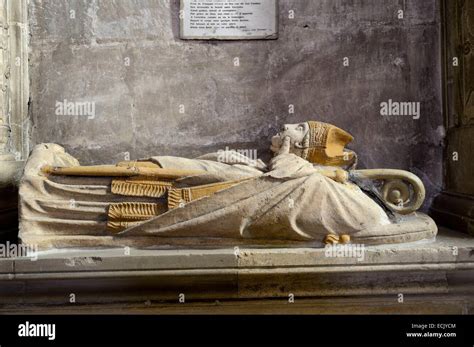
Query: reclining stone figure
x=309, y=194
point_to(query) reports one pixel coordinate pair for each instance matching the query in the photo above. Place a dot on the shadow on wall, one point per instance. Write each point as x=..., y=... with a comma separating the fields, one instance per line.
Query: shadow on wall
x=139, y=103
x=175, y=24
x=9, y=214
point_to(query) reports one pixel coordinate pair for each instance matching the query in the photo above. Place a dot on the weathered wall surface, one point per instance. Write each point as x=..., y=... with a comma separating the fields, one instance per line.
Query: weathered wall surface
x=126, y=56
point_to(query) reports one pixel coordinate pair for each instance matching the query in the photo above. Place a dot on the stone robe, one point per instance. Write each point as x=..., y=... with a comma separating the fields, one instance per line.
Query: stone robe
x=288, y=203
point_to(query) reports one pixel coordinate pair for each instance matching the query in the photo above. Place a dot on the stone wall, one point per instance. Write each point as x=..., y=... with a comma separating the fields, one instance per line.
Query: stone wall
x=14, y=96
x=156, y=94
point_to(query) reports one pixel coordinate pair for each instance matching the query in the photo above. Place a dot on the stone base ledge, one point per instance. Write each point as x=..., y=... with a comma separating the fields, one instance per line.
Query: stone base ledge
x=441, y=268
x=413, y=304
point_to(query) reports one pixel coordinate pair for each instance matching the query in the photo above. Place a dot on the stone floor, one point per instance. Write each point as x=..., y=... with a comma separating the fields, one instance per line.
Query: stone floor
x=424, y=277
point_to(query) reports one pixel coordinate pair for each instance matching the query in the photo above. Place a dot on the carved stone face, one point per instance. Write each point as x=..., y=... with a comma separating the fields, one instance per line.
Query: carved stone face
x=296, y=132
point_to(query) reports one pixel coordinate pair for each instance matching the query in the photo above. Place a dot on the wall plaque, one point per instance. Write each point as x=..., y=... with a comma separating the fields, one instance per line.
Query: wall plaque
x=229, y=19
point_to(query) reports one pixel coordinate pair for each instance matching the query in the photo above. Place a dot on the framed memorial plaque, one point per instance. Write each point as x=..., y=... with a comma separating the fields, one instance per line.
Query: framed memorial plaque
x=229, y=19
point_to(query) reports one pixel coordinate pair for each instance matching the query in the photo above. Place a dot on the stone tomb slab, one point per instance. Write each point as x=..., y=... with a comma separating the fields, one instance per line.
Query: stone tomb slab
x=441, y=267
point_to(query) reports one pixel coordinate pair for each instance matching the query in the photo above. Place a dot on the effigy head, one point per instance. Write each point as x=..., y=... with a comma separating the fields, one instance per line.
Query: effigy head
x=318, y=142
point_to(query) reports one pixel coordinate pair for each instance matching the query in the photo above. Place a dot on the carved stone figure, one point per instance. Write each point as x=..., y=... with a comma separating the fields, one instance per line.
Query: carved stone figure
x=308, y=194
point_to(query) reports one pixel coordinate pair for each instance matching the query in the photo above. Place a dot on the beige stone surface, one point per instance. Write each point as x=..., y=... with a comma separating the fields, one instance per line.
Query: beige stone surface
x=450, y=250
x=294, y=200
x=444, y=267
x=14, y=93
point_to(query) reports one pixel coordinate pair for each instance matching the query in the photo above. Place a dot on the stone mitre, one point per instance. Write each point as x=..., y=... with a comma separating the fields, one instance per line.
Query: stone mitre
x=325, y=144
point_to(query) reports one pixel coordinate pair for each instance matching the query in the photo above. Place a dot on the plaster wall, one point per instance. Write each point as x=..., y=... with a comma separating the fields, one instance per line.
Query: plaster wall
x=157, y=94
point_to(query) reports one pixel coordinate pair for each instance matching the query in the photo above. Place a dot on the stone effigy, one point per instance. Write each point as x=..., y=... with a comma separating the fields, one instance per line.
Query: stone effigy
x=308, y=194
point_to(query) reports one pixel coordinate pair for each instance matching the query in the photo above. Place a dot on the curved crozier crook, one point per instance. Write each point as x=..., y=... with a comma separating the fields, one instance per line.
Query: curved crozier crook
x=299, y=145
x=395, y=191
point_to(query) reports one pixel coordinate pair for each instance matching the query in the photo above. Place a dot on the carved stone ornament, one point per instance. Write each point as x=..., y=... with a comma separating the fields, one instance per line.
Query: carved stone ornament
x=309, y=194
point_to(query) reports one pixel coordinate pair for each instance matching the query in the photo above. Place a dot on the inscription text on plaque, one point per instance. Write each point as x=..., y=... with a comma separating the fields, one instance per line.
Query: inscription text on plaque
x=229, y=19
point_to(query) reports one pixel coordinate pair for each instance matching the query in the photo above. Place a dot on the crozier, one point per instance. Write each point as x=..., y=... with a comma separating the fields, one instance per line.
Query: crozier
x=309, y=194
